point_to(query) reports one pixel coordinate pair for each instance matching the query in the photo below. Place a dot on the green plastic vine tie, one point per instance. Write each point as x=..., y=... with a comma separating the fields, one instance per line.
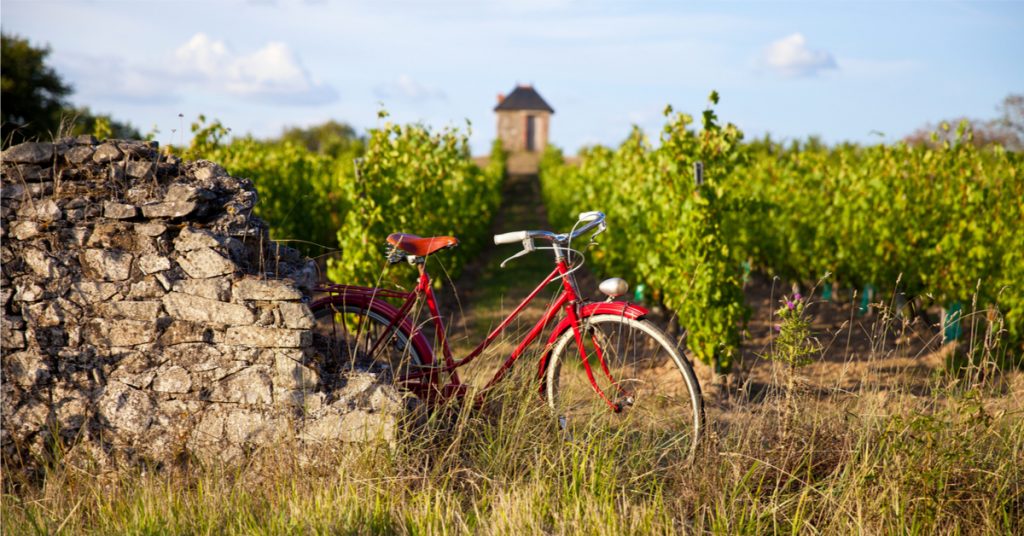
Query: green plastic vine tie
x=865, y=299
x=951, y=328
x=638, y=293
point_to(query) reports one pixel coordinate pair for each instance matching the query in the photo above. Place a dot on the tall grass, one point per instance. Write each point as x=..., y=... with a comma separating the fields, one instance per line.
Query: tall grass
x=880, y=459
x=861, y=463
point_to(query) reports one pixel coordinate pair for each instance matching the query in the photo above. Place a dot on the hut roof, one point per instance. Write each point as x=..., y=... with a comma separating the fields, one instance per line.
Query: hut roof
x=523, y=98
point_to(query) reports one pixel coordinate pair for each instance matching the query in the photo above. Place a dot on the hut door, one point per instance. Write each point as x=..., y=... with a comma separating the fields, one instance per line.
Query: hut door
x=531, y=132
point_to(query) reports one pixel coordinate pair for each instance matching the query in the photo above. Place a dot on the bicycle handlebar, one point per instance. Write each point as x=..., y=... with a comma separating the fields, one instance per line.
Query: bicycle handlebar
x=510, y=238
x=593, y=218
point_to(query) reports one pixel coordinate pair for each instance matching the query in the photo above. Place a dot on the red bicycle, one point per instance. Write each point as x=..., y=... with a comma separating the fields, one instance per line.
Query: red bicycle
x=603, y=360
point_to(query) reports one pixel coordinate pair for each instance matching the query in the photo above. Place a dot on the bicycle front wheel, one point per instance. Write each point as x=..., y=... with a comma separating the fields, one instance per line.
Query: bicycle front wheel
x=640, y=371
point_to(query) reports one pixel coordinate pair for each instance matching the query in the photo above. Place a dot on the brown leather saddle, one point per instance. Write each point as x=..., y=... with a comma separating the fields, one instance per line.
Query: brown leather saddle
x=421, y=247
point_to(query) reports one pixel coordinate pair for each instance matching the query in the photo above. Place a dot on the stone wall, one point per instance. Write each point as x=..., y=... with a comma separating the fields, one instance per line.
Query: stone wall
x=148, y=317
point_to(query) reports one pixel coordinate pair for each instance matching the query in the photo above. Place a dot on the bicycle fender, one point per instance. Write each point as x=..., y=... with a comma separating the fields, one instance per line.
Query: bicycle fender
x=386, y=310
x=617, y=308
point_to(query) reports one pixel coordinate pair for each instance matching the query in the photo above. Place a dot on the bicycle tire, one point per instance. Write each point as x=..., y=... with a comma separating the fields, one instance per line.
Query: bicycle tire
x=642, y=363
x=345, y=332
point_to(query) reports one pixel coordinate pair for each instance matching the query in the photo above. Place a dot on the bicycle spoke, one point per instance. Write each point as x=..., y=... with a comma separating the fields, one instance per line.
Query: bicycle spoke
x=640, y=369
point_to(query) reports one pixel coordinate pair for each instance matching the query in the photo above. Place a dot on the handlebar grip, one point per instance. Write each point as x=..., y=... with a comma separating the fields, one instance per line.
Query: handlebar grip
x=590, y=216
x=510, y=238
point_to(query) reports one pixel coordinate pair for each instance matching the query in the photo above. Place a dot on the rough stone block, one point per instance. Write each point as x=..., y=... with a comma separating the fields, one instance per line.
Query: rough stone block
x=22, y=191
x=296, y=315
x=27, y=369
x=86, y=292
x=259, y=337
x=40, y=263
x=252, y=288
x=205, y=171
x=136, y=310
x=198, y=309
x=150, y=264
x=140, y=170
x=290, y=372
x=104, y=332
x=353, y=426
x=173, y=209
x=128, y=410
x=43, y=210
x=115, y=172
x=181, y=331
x=138, y=380
x=79, y=154
x=146, y=289
x=251, y=427
x=107, y=265
x=29, y=153
x=191, y=239
x=205, y=262
x=251, y=385
x=52, y=313
x=150, y=229
x=179, y=192
x=106, y=153
x=214, y=288
x=13, y=334
x=24, y=230
x=172, y=379
x=28, y=291
x=76, y=236
x=119, y=211
x=112, y=235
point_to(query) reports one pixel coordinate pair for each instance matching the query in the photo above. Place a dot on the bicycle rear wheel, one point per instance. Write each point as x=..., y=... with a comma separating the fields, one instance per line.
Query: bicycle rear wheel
x=353, y=336
x=638, y=368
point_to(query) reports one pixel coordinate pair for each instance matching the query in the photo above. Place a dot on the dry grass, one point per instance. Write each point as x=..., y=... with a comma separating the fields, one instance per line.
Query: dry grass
x=873, y=461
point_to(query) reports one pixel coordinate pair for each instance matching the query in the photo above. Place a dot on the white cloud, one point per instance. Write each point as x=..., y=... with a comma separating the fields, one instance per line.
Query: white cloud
x=272, y=73
x=111, y=79
x=790, y=56
x=404, y=87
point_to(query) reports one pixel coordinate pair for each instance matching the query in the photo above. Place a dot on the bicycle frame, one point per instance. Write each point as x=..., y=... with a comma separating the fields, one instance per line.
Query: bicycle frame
x=425, y=383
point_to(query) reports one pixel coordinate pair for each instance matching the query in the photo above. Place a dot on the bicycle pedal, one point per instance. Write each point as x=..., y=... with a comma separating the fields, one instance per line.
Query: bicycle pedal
x=624, y=403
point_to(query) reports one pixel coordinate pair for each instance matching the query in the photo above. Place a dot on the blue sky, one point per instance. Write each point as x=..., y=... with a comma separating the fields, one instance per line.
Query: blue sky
x=857, y=71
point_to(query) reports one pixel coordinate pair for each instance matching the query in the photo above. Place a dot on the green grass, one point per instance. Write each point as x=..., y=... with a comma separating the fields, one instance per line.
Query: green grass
x=860, y=463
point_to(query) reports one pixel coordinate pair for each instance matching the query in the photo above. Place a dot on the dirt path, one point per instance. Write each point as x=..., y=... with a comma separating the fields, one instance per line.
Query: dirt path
x=487, y=293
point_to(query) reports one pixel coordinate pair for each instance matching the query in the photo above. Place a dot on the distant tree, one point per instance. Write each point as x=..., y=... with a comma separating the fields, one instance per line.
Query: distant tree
x=1006, y=130
x=84, y=121
x=32, y=94
x=1011, y=117
x=331, y=138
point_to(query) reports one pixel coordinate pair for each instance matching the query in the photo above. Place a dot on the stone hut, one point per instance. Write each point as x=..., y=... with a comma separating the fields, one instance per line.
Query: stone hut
x=523, y=119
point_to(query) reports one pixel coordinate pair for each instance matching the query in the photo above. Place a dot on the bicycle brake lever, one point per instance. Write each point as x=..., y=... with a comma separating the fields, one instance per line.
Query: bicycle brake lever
x=527, y=248
x=516, y=256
